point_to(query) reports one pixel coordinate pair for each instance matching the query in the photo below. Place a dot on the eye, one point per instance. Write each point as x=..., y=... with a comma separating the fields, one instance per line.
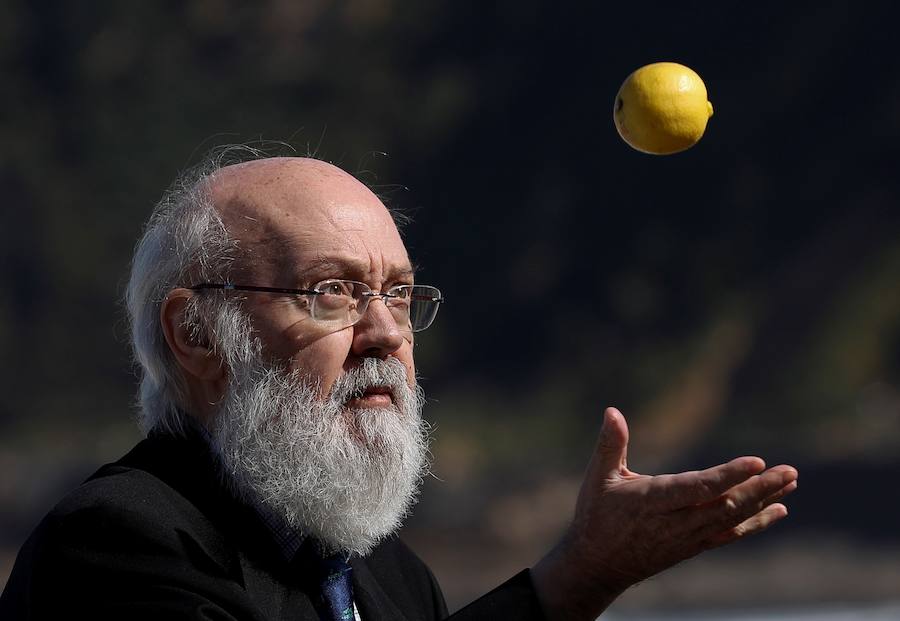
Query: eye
x=402, y=292
x=335, y=287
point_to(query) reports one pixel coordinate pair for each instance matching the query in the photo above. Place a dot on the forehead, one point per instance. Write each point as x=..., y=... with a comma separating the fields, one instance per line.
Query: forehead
x=291, y=216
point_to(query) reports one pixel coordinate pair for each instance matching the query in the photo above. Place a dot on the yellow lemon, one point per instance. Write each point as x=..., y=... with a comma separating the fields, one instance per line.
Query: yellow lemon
x=662, y=108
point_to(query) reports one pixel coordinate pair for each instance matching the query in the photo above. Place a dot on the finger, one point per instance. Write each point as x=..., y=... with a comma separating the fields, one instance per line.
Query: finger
x=612, y=446
x=780, y=494
x=778, y=481
x=741, y=502
x=756, y=524
x=688, y=489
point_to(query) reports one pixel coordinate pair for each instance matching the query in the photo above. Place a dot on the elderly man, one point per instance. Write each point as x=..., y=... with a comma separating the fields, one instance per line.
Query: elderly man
x=273, y=310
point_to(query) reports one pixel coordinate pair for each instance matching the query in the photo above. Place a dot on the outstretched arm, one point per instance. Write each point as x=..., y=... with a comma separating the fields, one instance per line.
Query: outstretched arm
x=628, y=526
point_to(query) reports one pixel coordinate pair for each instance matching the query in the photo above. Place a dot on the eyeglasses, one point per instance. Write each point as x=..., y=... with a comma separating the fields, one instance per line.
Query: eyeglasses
x=339, y=304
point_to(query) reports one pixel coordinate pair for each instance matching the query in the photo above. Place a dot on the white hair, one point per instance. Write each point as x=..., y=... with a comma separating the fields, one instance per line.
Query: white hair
x=184, y=239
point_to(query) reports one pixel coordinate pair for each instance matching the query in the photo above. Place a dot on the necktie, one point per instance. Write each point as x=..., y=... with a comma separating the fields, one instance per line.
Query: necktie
x=336, y=590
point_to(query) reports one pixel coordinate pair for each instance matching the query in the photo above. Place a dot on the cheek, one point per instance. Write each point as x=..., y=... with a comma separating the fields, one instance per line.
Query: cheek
x=324, y=359
x=405, y=355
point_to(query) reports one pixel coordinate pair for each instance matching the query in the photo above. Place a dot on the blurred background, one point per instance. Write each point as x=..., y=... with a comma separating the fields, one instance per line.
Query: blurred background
x=741, y=297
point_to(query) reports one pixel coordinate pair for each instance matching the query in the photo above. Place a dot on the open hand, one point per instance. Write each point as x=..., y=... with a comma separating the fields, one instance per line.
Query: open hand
x=628, y=526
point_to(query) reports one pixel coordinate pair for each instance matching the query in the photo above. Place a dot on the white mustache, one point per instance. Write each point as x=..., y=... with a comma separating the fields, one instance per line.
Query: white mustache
x=371, y=373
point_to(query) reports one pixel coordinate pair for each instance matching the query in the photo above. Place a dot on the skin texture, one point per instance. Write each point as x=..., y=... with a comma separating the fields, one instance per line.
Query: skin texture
x=299, y=221
x=628, y=526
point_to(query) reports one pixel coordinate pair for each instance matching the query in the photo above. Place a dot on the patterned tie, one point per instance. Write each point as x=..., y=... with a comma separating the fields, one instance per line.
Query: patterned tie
x=336, y=590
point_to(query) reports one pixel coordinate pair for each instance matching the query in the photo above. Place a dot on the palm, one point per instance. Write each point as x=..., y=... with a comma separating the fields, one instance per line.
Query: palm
x=629, y=526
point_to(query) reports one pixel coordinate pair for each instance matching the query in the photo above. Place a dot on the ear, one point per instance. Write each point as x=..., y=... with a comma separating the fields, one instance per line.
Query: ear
x=197, y=357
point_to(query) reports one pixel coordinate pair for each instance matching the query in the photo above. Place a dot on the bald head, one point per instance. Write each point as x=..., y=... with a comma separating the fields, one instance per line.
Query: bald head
x=277, y=187
x=299, y=210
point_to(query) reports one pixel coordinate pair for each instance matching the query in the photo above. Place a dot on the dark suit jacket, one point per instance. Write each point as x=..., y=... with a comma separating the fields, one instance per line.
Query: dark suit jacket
x=155, y=536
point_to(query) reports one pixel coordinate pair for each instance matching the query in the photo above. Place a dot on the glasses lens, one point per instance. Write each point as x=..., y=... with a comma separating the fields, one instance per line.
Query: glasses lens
x=413, y=306
x=424, y=302
x=338, y=302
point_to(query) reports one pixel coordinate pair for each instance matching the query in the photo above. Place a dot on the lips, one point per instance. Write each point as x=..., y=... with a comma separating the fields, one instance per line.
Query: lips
x=373, y=397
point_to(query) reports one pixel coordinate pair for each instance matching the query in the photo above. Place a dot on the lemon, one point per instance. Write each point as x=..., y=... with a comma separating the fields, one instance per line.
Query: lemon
x=662, y=108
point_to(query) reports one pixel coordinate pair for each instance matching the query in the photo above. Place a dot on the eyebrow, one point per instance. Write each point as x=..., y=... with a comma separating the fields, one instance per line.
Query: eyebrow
x=349, y=267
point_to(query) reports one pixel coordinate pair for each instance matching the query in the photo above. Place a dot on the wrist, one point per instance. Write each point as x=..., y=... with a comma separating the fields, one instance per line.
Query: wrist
x=568, y=590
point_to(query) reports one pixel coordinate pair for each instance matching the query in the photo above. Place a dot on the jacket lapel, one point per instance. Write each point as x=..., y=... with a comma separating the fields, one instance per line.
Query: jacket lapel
x=373, y=603
x=185, y=464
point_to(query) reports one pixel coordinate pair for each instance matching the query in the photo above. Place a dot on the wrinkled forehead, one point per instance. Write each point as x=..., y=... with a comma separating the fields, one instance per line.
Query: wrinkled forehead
x=289, y=215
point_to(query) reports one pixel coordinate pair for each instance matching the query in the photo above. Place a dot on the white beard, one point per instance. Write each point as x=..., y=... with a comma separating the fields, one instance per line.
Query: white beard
x=346, y=477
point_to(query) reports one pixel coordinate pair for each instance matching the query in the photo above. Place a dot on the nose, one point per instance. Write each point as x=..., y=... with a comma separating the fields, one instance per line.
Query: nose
x=376, y=335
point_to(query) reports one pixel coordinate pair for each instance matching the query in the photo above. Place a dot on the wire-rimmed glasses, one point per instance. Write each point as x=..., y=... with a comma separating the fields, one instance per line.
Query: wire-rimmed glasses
x=339, y=304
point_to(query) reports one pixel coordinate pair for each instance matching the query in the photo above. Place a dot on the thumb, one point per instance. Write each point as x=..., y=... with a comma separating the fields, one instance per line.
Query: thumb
x=612, y=445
